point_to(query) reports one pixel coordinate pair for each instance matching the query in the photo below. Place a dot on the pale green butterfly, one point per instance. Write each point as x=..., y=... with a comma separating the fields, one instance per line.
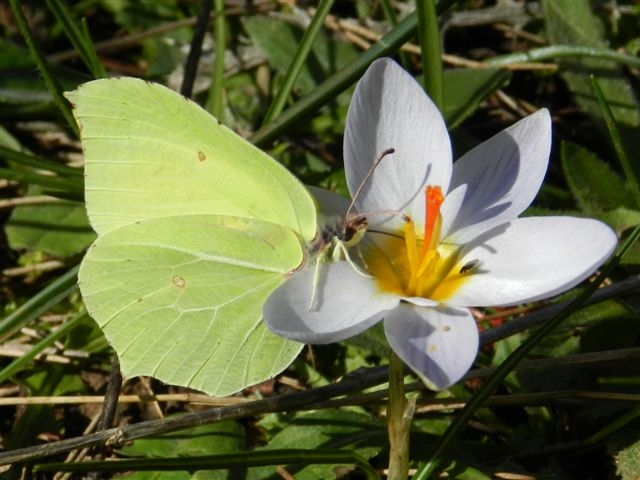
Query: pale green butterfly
x=196, y=227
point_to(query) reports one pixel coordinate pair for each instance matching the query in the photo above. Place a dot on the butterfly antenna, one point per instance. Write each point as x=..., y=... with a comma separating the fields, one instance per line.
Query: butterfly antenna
x=386, y=152
x=396, y=213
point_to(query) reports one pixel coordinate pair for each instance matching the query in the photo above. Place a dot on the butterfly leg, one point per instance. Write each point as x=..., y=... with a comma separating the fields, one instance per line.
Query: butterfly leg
x=316, y=281
x=347, y=257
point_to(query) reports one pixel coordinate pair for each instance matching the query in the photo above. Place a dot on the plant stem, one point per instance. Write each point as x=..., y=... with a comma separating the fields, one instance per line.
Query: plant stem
x=399, y=415
x=429, y=36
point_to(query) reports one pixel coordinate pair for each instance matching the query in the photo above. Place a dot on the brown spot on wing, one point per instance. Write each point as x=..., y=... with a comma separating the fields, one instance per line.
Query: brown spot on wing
x=178, y=281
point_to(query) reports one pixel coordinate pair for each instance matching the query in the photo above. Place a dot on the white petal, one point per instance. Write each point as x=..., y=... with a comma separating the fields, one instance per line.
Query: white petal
x=440, y=344
x=500, y=177
x=389, y=109
x=533, y=258
x=329, y=203
x=421, y=301
x=345, y=304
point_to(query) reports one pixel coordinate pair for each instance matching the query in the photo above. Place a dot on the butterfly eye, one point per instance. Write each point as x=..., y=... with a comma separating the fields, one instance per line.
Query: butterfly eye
x=354, y=227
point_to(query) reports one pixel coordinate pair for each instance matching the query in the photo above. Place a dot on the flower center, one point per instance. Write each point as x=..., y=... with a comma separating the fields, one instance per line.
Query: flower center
x=422, y=266
x=417, y=264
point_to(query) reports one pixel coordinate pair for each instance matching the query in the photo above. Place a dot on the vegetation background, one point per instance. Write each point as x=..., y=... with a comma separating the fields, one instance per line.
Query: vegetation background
x=567, y=411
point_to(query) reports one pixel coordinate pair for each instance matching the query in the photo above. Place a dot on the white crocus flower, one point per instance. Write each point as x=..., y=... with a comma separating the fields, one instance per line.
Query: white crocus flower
x=460, y=244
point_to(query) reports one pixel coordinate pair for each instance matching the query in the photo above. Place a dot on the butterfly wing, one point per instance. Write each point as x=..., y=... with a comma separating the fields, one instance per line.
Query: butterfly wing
x=149, y=152
x=180, y=298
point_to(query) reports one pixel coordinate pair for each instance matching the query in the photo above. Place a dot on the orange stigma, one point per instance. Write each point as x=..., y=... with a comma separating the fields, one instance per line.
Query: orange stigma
x=422, y=265
x=433, y=199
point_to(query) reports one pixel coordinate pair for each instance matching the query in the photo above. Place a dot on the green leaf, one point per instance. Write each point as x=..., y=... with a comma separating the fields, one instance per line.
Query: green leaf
x=328, y=90
x=573, y=22
x=462, y=471
x=624, y=446
x=213, y=439
x=372, y=339
x=308, y=40
x=279, y=39
x=621, y=218
x=57, y=227
x=465, y=89
x=325, y=429
x=596, y=187
x=134, y=14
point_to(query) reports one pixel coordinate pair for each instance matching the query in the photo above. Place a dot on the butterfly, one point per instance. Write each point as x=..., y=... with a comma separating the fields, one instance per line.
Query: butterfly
x=196, y=227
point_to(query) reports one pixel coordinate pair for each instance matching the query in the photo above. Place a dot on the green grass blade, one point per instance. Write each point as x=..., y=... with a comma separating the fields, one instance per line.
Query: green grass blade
x=429, y=35
x=95, y=65
x=215, y=102
x=390, y=15
x=614, y=426
x=39, y=162
x=39, y=303
x=25, y=360
x=79, y=38
x=298, y=61
x=336, y=83
x=66, y=185
x=239, y=460
x=627, y=167
x=341, y=80
x=52, y=83
x=563, y=51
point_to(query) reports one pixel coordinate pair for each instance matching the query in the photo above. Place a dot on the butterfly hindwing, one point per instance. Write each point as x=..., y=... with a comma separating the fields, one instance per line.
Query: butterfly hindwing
x=181, y=299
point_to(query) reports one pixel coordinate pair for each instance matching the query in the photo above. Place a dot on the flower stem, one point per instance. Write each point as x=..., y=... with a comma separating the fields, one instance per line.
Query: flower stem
x=399, y=415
